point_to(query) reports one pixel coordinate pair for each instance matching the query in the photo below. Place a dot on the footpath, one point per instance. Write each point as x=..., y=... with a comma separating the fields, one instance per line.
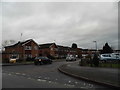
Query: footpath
x=25, y=63
x=104, y=76
x=14, y=64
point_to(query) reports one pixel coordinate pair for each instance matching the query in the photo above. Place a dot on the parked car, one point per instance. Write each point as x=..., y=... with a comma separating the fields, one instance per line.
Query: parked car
x=70, y=58
x=116, y=56
x=42, y=60
x=13, y=59
x=111, y=56
x=105, y=57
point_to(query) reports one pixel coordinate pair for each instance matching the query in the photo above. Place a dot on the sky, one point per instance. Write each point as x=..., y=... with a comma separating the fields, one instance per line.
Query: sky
x=62, y=22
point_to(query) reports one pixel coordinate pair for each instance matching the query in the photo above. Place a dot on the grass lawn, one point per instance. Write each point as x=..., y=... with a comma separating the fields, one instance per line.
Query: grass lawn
x=106, y=65
x=117, y=65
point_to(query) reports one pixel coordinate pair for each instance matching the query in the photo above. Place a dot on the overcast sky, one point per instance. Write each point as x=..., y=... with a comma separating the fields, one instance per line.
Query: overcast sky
x=62, y=22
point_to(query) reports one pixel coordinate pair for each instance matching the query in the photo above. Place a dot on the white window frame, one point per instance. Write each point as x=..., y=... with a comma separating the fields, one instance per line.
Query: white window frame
x=28, y=48
x=35, y=47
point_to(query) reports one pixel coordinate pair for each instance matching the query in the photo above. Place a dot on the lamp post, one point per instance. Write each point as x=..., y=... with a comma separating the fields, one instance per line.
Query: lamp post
x=95, y=44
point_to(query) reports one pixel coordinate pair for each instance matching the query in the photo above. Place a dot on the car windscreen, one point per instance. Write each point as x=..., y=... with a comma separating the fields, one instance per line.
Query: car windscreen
x=41, y=58
x=106, y=55
x=13, y=57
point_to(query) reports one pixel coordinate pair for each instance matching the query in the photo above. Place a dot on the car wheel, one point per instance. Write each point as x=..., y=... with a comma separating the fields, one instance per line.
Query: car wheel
x=36, y=63
x=41, y=63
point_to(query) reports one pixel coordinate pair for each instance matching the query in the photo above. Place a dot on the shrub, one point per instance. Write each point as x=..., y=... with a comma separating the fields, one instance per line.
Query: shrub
x=6, y=60
x=50, y=57
x=95, y=60
x=84, y=62
x=29, y=59
x=20, y=60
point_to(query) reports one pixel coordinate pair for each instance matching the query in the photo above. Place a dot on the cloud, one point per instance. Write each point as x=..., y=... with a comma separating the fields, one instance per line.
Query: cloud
x=63, y=22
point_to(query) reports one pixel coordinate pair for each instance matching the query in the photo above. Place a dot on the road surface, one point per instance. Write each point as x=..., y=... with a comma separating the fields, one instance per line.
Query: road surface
x=41, y=76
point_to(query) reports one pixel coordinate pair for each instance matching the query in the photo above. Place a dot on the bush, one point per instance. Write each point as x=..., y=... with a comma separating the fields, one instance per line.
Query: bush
x=29, y=59
x=6, y=60
x=95, y=60
x=20, y=60
x=50, y=57
x=84, y=62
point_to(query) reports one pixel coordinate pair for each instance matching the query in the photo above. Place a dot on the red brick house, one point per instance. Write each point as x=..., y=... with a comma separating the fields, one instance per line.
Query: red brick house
x=48, y=49
x=30, y=48
x=63, y=51
x=56, y=51
x=22, y=50
x=79, y=52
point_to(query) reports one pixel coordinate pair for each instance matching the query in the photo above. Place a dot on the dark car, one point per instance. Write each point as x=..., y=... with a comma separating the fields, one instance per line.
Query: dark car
x=42, y=60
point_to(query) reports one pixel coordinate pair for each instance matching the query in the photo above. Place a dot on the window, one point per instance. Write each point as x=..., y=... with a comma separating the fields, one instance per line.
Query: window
x=28, y=55
x=56, y=49
x=28, y=47
x=51, y=48
x=106, y=56
x=36, y=55
x=35, y=47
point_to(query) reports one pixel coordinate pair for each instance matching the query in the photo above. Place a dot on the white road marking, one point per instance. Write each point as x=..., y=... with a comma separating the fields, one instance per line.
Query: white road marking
x=41, y=80
x=69, y=85
x=39, y=77
x=23, y=74
x=9, y=74
x=84, y=84
x=17, y=73
x=49, y=81
x=82, y=87
x=76, y=82
x=29, y=78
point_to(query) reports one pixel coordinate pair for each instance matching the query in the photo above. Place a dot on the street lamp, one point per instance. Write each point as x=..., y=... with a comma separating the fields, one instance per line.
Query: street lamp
x=95, y=44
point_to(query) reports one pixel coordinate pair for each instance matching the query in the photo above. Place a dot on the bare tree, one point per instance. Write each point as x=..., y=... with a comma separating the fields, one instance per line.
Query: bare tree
x=12, y=41
x=7, y=42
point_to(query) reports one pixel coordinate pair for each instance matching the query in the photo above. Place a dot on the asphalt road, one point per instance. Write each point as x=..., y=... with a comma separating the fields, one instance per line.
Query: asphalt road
x=41, y=76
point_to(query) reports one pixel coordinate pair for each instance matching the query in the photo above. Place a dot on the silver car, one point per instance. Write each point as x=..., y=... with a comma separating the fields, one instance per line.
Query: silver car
x=70, y=58
x=111, y=56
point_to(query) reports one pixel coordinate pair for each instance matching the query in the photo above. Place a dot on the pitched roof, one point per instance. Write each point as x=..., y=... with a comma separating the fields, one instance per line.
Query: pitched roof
x=47, y=45
x=20, y=43
x=60, y=46
x=13, y=45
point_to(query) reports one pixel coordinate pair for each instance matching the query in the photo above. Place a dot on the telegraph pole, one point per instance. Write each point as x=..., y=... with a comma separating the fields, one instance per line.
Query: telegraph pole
x=20, y=54
x=21, y=36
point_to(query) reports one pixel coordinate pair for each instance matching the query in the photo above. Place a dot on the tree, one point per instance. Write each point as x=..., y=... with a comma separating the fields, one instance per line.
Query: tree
x=12, y=41
x=107, y=49
x=74, y=45
x=7, y=42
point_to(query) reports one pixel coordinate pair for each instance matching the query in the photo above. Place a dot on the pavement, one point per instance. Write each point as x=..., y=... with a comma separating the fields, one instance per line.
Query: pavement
x=14, y=64
x=26, y=63
x=104, y=76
